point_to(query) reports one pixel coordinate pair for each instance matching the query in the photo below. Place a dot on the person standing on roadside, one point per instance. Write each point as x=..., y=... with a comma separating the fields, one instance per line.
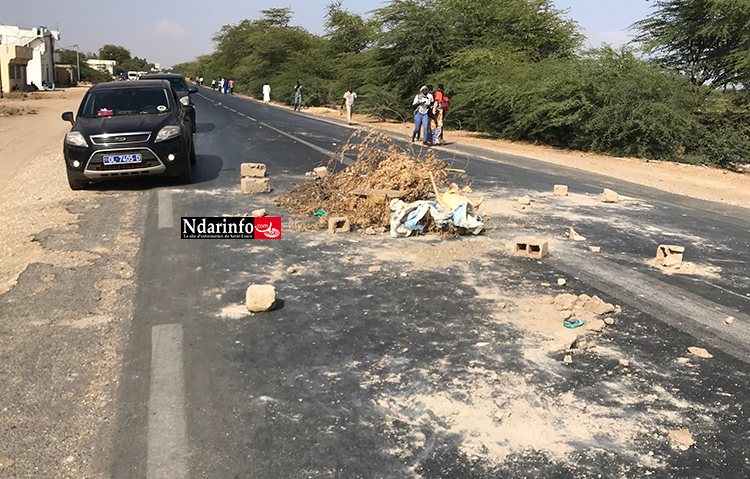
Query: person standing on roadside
x=213, y=84
x=266, y=93
x=421, y=104
x=298, y=96
x=231, y=86
x=349, y=98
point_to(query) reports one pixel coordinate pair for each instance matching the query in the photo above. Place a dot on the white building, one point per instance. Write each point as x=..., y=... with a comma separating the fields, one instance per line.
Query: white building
x=41, y=68
x=106, y=66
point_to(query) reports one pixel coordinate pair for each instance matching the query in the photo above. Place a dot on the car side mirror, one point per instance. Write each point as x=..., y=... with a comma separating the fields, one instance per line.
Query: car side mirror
x=68, y=116
x=192, y=89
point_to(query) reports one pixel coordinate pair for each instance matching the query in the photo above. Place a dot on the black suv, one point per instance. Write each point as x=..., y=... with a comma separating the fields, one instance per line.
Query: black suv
x=127, y=129
x=181, y=86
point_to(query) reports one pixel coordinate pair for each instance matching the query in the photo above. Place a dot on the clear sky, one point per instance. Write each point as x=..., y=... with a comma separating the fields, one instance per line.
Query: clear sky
x=169, y=32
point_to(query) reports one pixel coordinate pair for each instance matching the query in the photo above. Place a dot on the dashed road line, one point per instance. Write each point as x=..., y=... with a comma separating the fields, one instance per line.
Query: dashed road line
x=329, y=153
x=166, y=215
x=167, y=454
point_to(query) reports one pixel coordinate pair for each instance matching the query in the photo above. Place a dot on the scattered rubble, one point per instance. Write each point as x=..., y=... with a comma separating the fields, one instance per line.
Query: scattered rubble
x=259, y=213
x=561, y=281
x=609, y=196
x=729, y=320
x=524, y=200
x=370, y=231
x=575, y=236
x=568, y=359
x=375, y=269
x=700, y=352
x=291, y=270
x=560, y=190
x=624, y=363
x=530, y=247
x=682, y=438
x=260, y=297
x=595, y=249
x=321, y=171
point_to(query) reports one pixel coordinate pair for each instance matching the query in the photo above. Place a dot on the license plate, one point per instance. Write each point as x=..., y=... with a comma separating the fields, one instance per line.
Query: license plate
x=121, y=159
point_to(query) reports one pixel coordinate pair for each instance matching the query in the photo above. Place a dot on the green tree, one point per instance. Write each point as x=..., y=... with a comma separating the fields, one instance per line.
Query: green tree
x=114, y=52
x=347, y=32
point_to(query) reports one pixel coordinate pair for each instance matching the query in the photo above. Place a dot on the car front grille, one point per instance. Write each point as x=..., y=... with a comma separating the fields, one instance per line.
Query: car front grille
x=148, y=160
x=121, y=138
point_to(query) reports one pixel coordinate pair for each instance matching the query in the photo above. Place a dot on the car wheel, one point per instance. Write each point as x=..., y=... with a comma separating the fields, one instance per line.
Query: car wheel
x=187, y=174
x=76, y=184
x=193, y=158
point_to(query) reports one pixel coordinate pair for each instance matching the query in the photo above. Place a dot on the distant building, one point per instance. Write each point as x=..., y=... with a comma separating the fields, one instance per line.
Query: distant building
x=106, y=66
x=13, y=60
x=41, y=68
x=67, y=75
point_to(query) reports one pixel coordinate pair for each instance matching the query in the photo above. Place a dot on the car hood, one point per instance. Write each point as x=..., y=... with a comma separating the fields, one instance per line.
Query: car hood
x=123, y=124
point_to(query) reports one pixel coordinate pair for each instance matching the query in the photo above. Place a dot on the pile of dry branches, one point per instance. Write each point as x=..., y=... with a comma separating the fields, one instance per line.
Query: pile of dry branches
x=380, y=165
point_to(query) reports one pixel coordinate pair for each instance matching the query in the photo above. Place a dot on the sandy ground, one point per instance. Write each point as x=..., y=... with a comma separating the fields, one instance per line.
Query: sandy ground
x=711, y=184
x=33, y=187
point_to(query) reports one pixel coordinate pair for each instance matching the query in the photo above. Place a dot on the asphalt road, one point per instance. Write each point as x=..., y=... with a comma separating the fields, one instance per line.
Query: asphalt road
x=207, y=392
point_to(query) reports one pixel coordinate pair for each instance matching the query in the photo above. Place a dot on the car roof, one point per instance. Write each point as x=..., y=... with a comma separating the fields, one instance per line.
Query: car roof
x=124, y=85
x=165, y=76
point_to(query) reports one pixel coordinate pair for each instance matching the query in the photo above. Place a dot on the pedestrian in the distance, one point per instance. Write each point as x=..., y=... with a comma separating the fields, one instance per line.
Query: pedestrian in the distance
x=298, y=96
x=442, y=98
x=349, y=98
x=231, y=86
x=266, y=93
x=213, y=84
x=421, y=104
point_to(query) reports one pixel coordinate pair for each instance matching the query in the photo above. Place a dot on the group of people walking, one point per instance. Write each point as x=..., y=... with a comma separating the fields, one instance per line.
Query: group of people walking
x=429, y=112
x=225, y=86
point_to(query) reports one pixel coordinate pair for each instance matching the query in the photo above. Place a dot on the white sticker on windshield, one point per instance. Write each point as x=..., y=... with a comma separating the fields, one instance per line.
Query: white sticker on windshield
x=161, y=108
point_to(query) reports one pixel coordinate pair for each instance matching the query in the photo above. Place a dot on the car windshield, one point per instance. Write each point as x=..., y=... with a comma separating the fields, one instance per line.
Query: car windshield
x=126, y=101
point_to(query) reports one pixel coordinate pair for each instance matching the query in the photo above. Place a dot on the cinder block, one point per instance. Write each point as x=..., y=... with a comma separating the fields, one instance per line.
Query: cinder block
x=561, y=190
x=669, y=255
x=253, y=170
x=530, y=247
x=255, y=185
x=339, y=224
x=260, y=297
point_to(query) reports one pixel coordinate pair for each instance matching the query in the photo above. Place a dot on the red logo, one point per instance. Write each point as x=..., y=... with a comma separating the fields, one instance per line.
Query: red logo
x=267, y=228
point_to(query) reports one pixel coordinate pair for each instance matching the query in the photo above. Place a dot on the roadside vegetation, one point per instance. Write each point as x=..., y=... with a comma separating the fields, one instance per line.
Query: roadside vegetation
x=517, y=69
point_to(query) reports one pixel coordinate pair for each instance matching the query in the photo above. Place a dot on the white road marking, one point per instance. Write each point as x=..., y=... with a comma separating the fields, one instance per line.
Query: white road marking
x=167, y=454
x=330, y=153
x=166, y=216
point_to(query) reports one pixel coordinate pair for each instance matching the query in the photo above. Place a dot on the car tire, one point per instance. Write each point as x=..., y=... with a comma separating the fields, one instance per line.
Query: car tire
x=193, y=158
x=186, y=177
x=76, y=184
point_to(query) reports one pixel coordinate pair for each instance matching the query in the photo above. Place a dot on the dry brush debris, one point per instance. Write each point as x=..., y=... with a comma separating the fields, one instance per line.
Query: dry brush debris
x=380, y=165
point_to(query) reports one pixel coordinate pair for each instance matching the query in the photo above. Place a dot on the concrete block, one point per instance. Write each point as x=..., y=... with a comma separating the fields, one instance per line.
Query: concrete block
x=610, y=196
x=339, y=224
x=575, y=236
x=253, y=170
x=321, y=171
x=530, y=247
x=525, y=200
x=260, y=297
x=255, y=185
x=669, y=255
x=561, y=190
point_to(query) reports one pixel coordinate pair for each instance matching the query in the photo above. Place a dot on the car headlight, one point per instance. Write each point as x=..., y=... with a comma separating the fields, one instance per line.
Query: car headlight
x=76, y=139
x=185, y=100
x=166, y=133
